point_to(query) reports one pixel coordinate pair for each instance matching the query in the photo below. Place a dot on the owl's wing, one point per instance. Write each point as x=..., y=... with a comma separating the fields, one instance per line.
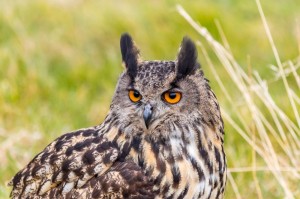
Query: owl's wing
x=122, y=180
x=67, y=163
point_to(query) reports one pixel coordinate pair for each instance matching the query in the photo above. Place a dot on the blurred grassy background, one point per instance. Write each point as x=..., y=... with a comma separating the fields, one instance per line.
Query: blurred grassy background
x=60, y=61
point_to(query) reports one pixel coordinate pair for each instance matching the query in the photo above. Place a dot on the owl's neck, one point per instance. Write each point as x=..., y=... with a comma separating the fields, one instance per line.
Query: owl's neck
x=187, y=159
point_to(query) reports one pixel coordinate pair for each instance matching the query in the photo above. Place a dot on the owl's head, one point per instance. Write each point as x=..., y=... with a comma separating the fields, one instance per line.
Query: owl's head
x=160, y=95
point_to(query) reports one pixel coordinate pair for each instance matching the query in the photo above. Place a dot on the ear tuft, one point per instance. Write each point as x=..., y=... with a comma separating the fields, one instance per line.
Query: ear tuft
x=130, y=54
x=187, y=59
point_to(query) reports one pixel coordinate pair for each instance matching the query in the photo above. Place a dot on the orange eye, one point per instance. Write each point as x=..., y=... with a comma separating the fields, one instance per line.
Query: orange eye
x=134, y=95
x=172, y=97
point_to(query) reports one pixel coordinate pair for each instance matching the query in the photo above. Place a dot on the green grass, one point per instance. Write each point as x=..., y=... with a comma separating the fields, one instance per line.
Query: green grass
x=60, y=60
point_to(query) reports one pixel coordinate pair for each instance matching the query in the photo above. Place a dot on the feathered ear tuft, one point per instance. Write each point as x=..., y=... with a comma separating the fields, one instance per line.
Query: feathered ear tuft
x=130, y=54
x=187, y=59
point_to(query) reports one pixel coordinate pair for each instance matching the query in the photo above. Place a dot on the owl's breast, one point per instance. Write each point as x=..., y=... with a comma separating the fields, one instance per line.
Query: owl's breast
x=181, y=170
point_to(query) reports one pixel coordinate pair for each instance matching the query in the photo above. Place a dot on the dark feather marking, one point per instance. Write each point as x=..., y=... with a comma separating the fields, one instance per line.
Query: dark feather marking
x=35, y=169
x=165, y=189
x=114, y=186
x=184, y=192
x=88, y=132
x=39, y=189
x=67, y=136
x=141, y=161
x=88, y=157
x=198, y=133
x=70, y=195
x=215, y=183
x=149, y=171
x=65, y=176
x=210, y=193
x=59, y=144
x=170, y=159
x=117, y=136
x=52, y=194
x=206, y=159
x=185, y=139
x=124, y=152
x=197, y=122
x=218, y=193
x=116, y=122
x=78, y=172
x=69, y=151
x=222, y=170
x=106, y=158
x=197, y=168
x=161, y=165
x=154, y=147
x=95, y=134
x=17, y=178
x=23, y=189
x=104, y=184
x=176, y=176
x=108, y=119
x=96, y=140
x=53, y=158
x=126, y=194
x=90, y=170
x=66, y=165
x=217, y=105
x=211, y=122
x=136, y=141
x=54, y=176
x=25, y=176
x=81, y=145
x=178, y=125
x=221, y=130
x=44, y=157
x=96, y=193
x=103, y=146
x=218, y=157
x=159, y=178
x=209, y=145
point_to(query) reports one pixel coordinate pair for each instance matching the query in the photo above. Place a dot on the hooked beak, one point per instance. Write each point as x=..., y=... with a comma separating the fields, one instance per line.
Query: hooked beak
x=147, y=114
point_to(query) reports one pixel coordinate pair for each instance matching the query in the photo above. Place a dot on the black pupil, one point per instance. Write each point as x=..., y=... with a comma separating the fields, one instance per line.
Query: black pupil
x=136, y=94
x=172, y=95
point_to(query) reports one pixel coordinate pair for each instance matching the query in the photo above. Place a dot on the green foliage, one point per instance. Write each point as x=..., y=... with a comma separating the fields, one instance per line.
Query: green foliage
x=60, y=60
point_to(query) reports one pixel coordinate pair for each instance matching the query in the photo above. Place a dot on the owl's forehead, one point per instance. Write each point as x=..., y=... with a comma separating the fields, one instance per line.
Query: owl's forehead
x=155, y=75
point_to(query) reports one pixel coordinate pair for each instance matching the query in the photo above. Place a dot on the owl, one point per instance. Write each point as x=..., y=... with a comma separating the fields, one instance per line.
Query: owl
x=162, y=138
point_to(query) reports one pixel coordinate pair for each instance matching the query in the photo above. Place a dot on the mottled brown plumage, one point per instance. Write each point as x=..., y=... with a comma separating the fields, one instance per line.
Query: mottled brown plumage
x=147, y=147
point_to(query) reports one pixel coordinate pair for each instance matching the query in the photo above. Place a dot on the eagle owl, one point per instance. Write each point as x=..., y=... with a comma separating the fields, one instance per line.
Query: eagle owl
x=162, y=138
